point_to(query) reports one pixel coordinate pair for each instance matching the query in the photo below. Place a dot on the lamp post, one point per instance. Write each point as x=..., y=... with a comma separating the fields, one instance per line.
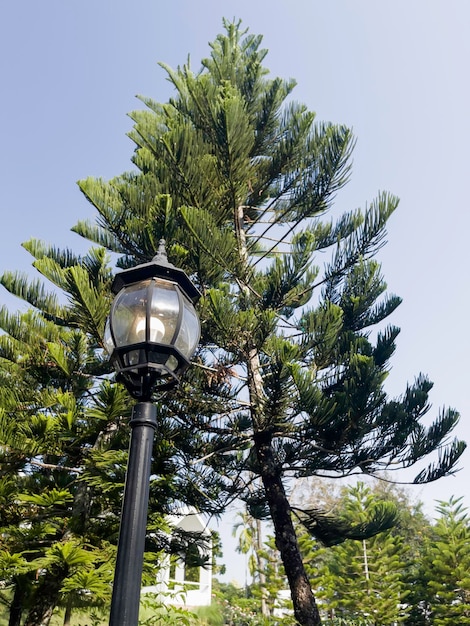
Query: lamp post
x=151, y=333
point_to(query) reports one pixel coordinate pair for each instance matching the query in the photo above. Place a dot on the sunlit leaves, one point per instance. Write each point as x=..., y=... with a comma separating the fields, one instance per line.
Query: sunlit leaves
x=51, y=498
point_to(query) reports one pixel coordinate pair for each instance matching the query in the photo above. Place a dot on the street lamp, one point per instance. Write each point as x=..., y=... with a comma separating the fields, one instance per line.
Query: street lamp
x=151, y=333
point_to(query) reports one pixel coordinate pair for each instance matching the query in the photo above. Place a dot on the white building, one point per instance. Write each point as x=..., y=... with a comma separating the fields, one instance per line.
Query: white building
x=178, y=583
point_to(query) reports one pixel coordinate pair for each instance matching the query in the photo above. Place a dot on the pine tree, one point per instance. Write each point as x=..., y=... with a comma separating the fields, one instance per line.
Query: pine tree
x=64, y=440
x=414, y=529
x=447, y=565
x=238, y=179
x=49, y=431
x=363, y=579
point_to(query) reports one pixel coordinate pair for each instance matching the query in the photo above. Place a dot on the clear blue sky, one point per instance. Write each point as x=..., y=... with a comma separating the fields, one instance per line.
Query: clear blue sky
x=397, y=72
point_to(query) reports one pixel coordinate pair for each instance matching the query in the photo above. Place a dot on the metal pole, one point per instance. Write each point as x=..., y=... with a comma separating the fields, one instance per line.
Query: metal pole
x=130, y=554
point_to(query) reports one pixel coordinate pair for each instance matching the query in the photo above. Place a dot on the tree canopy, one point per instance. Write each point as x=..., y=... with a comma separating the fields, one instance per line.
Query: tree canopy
x=239, y=179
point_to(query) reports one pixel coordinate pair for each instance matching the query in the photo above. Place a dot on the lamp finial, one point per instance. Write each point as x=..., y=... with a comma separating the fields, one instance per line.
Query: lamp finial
x=161, y=256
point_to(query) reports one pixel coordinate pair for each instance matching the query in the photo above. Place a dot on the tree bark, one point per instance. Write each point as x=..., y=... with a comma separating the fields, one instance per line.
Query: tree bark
x=68, y=614
x=366, y=565
x=305, y=607
x=46, y=598
x=16, y=606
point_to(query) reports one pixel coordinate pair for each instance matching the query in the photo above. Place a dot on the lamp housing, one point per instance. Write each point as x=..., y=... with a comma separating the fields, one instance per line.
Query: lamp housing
x=153, y=329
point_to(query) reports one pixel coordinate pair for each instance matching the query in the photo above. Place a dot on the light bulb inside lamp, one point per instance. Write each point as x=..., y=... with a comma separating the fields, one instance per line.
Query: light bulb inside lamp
x=157, y=330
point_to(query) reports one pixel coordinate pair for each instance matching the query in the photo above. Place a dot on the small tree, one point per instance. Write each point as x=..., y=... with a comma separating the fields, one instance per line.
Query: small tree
x=447, y=565
x=364, y=579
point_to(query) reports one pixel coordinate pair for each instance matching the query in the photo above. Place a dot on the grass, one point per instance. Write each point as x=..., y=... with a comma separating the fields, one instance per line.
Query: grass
x=150, y=616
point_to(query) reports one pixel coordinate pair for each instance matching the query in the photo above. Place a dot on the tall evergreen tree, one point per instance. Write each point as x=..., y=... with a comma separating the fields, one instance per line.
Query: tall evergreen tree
x=238, y=179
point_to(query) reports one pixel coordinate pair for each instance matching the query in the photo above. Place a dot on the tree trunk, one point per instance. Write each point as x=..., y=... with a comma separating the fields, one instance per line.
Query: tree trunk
x=16, y=606
x=46, y=597
x=366, y=566
x=305, y=608
x=68, y=613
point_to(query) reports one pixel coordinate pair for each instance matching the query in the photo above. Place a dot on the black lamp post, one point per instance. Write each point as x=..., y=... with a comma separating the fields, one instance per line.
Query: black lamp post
x=151, y=333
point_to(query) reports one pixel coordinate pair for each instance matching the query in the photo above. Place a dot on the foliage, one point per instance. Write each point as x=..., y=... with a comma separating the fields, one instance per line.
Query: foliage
x=64, y=441
x=49, y=390
x=241, y=607
x=347, y=622
x=417, y=569
x=224, y=168
x=238, y=178
x=245, y=530
x=447, y=565
x=165, y=613
x=364, y=579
